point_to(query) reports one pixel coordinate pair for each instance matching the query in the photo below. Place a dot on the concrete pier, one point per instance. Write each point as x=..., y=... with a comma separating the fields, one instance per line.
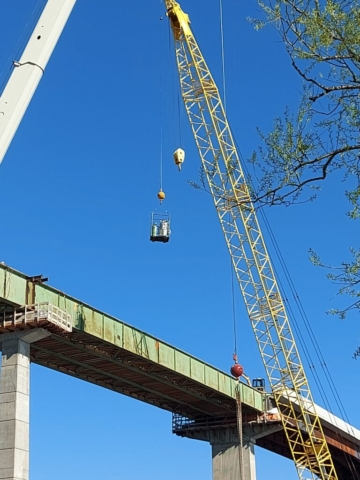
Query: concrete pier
x=14, y=403
x=226, y=452
x=226, y=456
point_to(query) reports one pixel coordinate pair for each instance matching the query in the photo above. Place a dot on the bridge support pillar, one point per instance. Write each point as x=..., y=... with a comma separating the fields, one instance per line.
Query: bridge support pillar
x=225, y=446
x=225, y=452
x=14, y=402
x=226, y=457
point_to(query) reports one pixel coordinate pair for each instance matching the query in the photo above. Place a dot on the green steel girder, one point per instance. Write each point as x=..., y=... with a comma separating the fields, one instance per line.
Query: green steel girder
x=174, y=384
x=115, y=377
x=155, y=360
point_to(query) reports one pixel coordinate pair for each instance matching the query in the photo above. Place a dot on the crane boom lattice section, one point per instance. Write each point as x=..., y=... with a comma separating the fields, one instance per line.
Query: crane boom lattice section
x=222, y=168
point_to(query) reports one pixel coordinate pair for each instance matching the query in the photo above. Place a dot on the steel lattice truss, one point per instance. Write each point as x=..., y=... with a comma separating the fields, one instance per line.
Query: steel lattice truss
x=227, y=183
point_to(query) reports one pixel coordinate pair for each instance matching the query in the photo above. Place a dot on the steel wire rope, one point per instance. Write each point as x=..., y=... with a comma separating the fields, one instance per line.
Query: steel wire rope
x=303, y=342
x=161, y=105
x=291, y=314
x=179, y=117
x=317, y=349
x=320, y=358
x=296, y=297
x=173, y=90
x=295, y=324
x=221, y=17
x=222, y=53
x=237, y=388
x=289, y=281
x=310, y=332
x=20, y=44
x=233, y=309
x=306, y=322
x=173, y=93
x=304, y=315
x=176, y=100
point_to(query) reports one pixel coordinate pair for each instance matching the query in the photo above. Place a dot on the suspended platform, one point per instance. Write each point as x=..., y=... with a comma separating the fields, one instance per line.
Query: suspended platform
x=160, y=227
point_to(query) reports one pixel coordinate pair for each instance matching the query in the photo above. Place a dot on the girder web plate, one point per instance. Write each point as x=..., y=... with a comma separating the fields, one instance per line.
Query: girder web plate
x=117, y=369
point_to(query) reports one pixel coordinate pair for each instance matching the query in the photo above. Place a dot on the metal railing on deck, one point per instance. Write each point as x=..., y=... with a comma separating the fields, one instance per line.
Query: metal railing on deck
x=182, y=424
x=35, y=315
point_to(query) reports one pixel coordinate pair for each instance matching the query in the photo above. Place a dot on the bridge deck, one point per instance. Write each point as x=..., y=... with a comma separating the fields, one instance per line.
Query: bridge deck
x=108, y=352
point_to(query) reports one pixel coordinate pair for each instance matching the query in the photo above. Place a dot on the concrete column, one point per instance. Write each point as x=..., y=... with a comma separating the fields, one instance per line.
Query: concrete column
x=225, y=456
x=225, y=448
x=14, y=403
x=249, y=460
x=225, y=462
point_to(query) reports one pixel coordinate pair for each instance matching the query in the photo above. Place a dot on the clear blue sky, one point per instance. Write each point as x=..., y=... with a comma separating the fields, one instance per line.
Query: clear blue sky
x=79, y=183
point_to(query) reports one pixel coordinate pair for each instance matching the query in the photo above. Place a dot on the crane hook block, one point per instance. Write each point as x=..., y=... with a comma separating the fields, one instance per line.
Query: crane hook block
x=179, y=157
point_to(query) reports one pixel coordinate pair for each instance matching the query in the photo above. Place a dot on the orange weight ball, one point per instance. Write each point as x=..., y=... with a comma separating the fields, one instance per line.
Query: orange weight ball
x=161, y=195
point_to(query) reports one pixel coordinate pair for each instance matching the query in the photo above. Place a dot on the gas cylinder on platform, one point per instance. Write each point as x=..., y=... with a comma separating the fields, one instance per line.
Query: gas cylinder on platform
x=154, y=230
x=164, y=228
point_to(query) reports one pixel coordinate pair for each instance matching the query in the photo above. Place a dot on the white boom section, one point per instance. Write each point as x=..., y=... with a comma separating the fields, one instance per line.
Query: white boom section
x=28, y=71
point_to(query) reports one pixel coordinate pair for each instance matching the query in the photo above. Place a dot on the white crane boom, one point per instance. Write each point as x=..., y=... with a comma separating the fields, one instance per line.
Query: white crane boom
x=28, y=71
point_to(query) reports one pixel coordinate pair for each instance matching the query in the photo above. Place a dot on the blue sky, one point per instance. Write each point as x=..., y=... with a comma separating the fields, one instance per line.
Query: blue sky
x=79, y=184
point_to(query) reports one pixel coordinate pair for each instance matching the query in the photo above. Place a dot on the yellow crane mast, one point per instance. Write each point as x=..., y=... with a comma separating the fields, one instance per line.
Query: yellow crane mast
x=251, y=262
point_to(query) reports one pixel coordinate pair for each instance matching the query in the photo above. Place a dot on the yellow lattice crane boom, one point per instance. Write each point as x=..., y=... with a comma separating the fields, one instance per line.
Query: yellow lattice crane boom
x=251, y=262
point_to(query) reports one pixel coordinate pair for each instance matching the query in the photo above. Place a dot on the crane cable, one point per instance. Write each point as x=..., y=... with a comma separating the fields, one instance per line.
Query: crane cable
x=239, y=421
x=176, y=97
x=304, y=317
x=222, y=53
x=224, y=96
x=233, y=308
x=309, y=330
x=311, y=335
x=317, y=349
x=161, y=119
